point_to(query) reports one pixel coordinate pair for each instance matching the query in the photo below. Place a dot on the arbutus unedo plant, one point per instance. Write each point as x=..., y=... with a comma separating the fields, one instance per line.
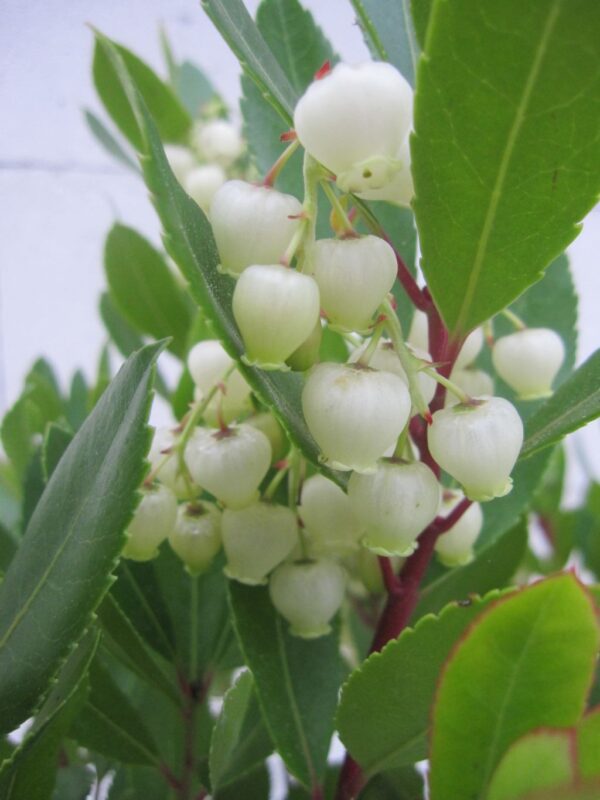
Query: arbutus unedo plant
x=340, y=529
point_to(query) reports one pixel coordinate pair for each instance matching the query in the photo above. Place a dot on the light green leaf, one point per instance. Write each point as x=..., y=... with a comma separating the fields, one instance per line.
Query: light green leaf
x=239, y=740
x=588, y=745
x=172, y=120
x=144, y=289
x=384, y=713
x=188, y=239
x=505, y=150
x=388, y=30
x=62, y=568
x=511, y=673
x=108, y=142
x=296, y=680
x=574, y=404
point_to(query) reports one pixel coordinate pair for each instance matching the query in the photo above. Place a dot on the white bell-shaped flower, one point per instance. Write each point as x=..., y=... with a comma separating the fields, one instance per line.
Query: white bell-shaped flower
x=276, y=310
x=401, y=188
x=266, y=423
x=474, y=382
x=395, y=505
x=202, y=183
x=252, y=224
x=229, y=464
x=217, y=141
x=307, y=594
x=354, y=277
x=478, y=443
x=208, y=362
x=529, y=361
x=354, y=121
x=196, y=537
x=354, y=413
x=181, y=160
x=168, y=473
x=152, y=522
x=418, y=335
x=256, y=539
x=470, y=349
x=454, y=548
x=385, y=358
x=329, y=522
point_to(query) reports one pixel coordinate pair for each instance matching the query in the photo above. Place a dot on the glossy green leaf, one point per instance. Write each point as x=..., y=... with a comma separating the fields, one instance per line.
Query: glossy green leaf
x=588, y=745
x=574, y=404
x=511, y=673
x=108, y=723
x=388, y=30
x=404, y=783
x=421, y=10
x=384, y=713
x=296, y=680
x=236, y=26
x=108, y=142
x=31, y=771
x=255, y=785
x=240, y=740
x=189, y=241
x=172, y=120
x=496, y=201
x=144, y=289
x=62, y=568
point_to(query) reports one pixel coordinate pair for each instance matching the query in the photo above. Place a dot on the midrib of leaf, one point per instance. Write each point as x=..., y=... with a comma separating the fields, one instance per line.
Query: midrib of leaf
x=370, y=28
x=291, y=63
x=240, y=750
x=382, y=763
x=152, y=757
x=147, y=607
x=555, y=421
x=492, y=208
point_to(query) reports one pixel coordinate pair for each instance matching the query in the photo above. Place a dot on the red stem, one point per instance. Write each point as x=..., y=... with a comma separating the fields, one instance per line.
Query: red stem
x=390, y=579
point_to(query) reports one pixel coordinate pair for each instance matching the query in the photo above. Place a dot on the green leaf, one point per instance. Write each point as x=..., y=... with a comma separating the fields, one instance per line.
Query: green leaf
x=133, y=783
x=236, y=26
x=194, y=88
x=511, y=673
x=384, y=713
x=108, y=142
x=389, y=34
x=33, y=486
x=255, y=785
x=111, y=726
x=30, y=772
x=574, y=404
x=144, y=289
x=172, y=120
x=73, y=782
x=188, y=239
x=296, y=680
x=19, y=426
x=588, y=745
x=421, y=11
x=77, y=405
x=496, y=201
x=239, y=739
x=62, y=568
x=56, y=441
x=8, y=547
x=404, y=783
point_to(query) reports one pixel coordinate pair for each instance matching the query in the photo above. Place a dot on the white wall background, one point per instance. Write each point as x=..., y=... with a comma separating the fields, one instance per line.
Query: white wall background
x=59, y=193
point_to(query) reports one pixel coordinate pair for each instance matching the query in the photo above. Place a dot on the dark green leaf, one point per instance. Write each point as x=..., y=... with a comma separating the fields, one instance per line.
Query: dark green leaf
x=574, y=404
x=73, y=782
x=404, y=783
x=297, y=681
x=388, y=31
x=8, y=547
x=33, y=487
x=56, y=441
x=144, y=289
x=511, y=673
x=385, y=709
x=77, y=405
x=108, y=142
x=134, y=783
x=171, y=118
x=500, y=185
x=240, y=740
x=421, y=10
x=62, y=568
x=255, y=785
x=103, y=376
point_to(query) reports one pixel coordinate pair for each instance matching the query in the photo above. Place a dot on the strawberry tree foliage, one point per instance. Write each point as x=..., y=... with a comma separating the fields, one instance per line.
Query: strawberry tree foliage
x=353, y=523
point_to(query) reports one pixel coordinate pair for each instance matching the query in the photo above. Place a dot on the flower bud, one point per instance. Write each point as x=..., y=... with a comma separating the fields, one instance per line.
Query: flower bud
x=196, y=537
x=529, y=361
x=354, y=276
x=478, y=443
x=329, y=522
x=354, y=121
x=401, y=189
x=208, y=362
x=470, y=349
x=385, y=358
x=168, y=474
x=229, y=464
x=368, y=570
x=305, y=356
x=203, y=182
x=252, y=224
x=394, y=505
x=256, y=539
x=218, y=141
x=474, y=382
x=152, y=522
x=276, y=310
x=354, y=413
x=308, y=594
x=454, y=548
x=181, y=160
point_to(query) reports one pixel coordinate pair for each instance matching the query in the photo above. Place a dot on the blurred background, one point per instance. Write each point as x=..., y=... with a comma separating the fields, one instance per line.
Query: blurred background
x=60, y=193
